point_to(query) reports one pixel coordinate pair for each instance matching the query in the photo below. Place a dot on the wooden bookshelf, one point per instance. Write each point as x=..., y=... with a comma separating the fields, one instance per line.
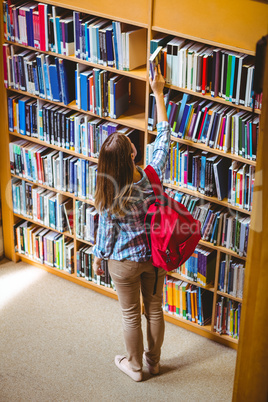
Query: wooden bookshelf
x=192, y=20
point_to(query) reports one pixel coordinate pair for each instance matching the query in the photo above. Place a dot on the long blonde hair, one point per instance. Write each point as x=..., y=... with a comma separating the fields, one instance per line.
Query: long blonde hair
x=115, y=175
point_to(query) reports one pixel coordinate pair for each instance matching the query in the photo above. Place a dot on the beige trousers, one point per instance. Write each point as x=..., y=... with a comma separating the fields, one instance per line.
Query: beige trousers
x=129, y=277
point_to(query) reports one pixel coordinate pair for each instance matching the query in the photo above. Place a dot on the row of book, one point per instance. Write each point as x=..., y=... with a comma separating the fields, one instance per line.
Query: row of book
x=60, y=126
x=38, y=74
x=66, y=32
x=110, y=43
x=44, y=246
x=101, y=92
x=227, y=317
x=43, y=206
x=60, y=80
x=206, y=122
x=205, y=69
x=86, y=221
x=53, y=168
x=85, y=259
x=219, y=226
x=231, y=277
x=211, y=175
x=187, y=301
x=200, y=266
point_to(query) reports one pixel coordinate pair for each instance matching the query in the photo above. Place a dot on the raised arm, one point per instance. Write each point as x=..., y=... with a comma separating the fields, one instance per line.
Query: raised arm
x=161, y=146
x=157, y=86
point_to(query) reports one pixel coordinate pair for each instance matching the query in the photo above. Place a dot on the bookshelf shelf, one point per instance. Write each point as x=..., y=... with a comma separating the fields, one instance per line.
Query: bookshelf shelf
x=183, y=20
x=71, y=277
x=205, y=197
x=238, y=299
x=204, y=147
x=138, y=73
x=205, y=41
x=183, y=278
x=84, y=241
x=216, y=99
x=66, y=234
x=43, y=143
x=70, y=195
x=134, y=117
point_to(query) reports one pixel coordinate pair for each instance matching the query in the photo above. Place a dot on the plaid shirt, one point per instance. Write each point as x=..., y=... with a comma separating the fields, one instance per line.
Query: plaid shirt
x=124, y=238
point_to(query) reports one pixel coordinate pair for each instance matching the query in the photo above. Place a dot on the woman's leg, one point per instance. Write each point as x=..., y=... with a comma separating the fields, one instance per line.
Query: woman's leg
x=126, y=277
x=153, y=312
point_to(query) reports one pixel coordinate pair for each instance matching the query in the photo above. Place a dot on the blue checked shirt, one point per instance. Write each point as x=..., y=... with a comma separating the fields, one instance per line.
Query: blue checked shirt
x=124, y=238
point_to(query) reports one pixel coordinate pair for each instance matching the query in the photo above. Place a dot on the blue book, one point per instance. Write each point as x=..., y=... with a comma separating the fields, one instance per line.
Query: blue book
x=52, y=212
x=203, y=171
x=58, y=33
x=206, y=221
x=185, y=99
x=22, y=114
x=10, y=114
x=84, y=89
x=83, y=178
x=40, y=76
x=46, y=74
x=77, y=33
x=75, y=178
x=58, y=76
x=109, y=46
x=232, y=76
x=115, y=46
x=96, y=75
x=55, y=84
x=183, y=120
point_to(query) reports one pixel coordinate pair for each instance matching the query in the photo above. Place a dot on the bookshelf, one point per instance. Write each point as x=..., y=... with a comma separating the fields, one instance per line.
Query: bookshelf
x=183, y=19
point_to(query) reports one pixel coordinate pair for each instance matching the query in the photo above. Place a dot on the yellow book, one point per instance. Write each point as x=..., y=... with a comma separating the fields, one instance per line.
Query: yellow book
x=189, y=123
x=175, y=165
x=171, y=163
x=177, y=297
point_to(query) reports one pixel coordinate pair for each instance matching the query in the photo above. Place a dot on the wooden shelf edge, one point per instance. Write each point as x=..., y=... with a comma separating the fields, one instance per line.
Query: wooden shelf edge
x=56, y=147
x=139, y=73
x=216, y=99
x=238, y=299
x=137, y=123
x=70, y=195
x=205, y=41
x=65, y=234
x=204, y=147
x=176, y=275
x=206, y=197
x=204, y=331
x=72, y=278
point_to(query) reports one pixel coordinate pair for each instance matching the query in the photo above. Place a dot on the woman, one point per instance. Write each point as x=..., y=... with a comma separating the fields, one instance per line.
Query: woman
x=123, y=194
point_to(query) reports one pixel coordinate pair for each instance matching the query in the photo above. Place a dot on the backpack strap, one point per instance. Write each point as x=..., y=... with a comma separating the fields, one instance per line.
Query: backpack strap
x=154, y=180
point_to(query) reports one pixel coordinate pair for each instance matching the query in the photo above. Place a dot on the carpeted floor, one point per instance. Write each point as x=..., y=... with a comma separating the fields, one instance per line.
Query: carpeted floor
x=58, y=341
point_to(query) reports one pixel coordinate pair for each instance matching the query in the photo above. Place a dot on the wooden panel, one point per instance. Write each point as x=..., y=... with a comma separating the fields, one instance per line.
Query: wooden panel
x=135, y=13
x=5, y=176
x=252, y=359
x=238, y=23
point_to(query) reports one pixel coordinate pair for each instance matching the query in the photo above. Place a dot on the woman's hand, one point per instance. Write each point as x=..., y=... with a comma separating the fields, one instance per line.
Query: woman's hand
x=158, y=83
x=157, y=86
x=97, y=266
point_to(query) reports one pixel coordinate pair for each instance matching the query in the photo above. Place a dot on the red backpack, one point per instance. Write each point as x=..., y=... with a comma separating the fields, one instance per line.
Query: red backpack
x=172, y=233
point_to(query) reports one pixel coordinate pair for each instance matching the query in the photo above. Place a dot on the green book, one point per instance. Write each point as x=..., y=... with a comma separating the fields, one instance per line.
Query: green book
x=228, y=78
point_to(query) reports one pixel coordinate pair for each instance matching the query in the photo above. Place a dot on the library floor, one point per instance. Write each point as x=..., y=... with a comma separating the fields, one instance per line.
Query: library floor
x=58, y=342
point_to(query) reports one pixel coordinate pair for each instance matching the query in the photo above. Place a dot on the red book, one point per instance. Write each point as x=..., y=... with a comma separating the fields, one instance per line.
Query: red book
x=42, y=9
x=202, y=124
x=204, y=75
x=36, y=32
